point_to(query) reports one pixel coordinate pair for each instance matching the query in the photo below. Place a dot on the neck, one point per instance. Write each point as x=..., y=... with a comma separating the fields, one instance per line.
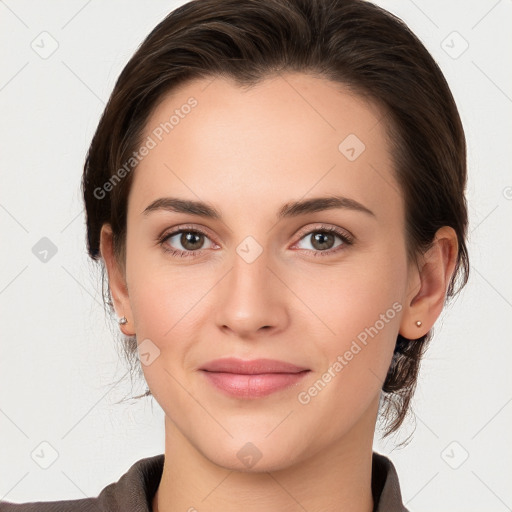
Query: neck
x=338, y=479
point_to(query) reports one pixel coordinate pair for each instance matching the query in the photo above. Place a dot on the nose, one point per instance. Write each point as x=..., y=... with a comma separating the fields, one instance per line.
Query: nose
x=251, y=300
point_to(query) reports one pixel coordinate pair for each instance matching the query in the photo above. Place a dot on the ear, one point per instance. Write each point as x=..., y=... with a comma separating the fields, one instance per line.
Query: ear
x=116, y=280
x=429, y=282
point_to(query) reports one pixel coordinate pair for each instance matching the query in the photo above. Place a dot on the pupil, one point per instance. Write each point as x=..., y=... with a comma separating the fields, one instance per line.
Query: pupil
x=190, y=240
x=320, y=240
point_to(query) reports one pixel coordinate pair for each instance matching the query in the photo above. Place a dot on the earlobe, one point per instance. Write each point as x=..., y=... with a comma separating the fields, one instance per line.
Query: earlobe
x=116, y=281
x=431, y=281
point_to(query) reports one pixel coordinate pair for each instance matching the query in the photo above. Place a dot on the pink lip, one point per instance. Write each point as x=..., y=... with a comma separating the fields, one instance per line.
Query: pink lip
x=255, y=366
x=252, y=379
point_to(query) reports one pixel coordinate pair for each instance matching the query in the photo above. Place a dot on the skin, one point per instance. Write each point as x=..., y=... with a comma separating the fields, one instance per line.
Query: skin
x=247, y=152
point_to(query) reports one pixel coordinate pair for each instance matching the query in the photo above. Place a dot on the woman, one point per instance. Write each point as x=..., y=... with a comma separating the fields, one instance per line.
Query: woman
x=276, y=192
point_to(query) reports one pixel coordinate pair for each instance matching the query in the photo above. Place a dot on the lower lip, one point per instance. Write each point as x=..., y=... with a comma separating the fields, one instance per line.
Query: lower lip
x=253, y=386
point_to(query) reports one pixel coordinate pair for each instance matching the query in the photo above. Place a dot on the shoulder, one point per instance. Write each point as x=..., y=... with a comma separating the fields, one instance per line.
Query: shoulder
x=81, y=505
x=387, y=496
x=134, y=491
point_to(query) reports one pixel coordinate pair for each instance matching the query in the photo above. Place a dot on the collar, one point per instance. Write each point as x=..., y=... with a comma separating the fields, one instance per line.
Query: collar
x=134, y=491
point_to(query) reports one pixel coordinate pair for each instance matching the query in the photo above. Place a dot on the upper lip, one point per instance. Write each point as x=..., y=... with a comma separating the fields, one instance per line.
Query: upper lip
x=251, y=367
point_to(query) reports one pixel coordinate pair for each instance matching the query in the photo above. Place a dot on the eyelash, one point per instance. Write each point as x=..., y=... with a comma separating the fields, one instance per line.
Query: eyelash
x=346, y=239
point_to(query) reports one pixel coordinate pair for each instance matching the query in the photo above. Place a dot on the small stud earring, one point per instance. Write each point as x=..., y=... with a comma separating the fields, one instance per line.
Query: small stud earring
x=418, y=323
x=123, y=320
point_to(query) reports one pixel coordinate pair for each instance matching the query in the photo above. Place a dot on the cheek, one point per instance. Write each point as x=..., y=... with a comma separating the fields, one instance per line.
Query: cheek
x=167, y=306
x=164, y=301
x=352, y=296
x=358, y=309
x=362, y=310
x=161, y=291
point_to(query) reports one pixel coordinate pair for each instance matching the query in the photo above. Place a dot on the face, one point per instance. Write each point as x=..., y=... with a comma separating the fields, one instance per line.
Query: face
x=249, y=274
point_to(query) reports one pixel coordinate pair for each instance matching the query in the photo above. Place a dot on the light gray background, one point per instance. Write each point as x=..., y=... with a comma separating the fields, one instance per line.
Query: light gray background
x=59, y=365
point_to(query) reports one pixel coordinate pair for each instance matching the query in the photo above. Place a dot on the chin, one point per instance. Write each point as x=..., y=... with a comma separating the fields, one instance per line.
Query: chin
x=259, y=455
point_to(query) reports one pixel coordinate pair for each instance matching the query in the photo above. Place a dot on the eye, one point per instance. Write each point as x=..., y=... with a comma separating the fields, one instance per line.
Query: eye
x=325, y=240
x=185, y=242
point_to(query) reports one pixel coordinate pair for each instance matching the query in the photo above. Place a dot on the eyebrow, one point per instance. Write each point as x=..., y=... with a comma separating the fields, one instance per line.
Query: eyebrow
x=288, y=210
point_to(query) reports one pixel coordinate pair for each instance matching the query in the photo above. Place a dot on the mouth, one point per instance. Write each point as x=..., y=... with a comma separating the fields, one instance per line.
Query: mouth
x=251, y=367
x=252, y=379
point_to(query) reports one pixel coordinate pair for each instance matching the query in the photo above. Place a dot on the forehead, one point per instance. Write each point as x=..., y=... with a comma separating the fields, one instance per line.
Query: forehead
x=288, y=136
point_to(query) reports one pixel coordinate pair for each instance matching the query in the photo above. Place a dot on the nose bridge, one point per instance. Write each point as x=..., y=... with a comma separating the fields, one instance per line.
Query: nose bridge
x=251, y=278
x=250, y=298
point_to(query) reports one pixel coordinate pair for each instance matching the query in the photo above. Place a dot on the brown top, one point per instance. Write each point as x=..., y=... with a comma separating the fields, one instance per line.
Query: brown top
x=134, y=491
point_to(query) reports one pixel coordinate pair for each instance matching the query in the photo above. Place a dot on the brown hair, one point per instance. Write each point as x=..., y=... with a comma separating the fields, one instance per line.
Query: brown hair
x=353, y=42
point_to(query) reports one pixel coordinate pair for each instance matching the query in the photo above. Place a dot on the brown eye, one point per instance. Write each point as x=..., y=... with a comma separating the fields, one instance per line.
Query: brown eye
x=186, y=241
x=322, y=241
x=191, y=240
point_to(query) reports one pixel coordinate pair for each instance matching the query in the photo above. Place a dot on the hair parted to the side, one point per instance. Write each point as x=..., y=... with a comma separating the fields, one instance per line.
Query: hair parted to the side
x=352, y=42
